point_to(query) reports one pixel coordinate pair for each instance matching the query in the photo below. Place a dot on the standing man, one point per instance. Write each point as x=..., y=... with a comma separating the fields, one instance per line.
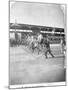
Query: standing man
x=47, y=44
x=63, y=44
x=39, y=39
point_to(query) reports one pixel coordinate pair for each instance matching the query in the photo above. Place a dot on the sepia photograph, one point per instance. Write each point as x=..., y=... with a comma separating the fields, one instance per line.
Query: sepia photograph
x=37, y=44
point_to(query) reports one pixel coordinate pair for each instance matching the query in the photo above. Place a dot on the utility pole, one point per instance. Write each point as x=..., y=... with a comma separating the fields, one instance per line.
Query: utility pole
x=16, y=35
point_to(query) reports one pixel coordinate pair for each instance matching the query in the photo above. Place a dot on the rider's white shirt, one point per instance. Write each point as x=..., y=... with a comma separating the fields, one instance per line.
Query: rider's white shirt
x=32, y=38
x=40, y=37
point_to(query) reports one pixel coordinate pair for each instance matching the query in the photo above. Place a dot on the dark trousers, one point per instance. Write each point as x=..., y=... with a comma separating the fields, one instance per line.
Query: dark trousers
x=48, y=50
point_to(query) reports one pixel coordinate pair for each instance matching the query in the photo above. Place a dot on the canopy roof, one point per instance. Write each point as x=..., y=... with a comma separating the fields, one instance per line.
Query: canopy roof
x=34, y=27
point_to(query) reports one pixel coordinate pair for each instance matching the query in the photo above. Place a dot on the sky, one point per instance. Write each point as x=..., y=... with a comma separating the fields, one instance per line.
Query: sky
x=37, y=14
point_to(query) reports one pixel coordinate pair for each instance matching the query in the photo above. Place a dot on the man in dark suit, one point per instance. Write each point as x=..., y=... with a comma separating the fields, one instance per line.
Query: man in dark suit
x=47, y=45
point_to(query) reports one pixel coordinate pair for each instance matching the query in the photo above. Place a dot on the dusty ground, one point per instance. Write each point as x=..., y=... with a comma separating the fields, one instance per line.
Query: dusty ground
x=27, y=68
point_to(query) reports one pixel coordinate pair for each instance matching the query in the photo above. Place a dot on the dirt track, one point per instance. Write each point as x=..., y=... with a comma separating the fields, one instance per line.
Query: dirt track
x=27, y=68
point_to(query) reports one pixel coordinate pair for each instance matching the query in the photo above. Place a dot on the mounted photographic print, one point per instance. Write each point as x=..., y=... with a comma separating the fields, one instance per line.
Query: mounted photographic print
x=37, y=44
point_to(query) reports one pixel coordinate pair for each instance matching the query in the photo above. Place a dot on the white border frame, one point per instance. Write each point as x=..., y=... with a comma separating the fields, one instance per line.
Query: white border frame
x=38, y=85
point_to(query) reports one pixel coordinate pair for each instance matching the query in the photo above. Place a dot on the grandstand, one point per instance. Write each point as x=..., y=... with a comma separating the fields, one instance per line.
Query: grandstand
x=23, y=29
